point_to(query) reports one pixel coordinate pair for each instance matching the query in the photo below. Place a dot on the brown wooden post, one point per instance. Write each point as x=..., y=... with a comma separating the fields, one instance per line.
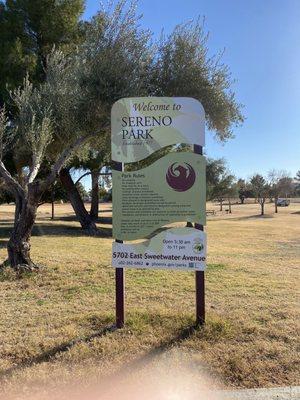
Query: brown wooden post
x=200, y=275
x=120, y=297
x=120, y=284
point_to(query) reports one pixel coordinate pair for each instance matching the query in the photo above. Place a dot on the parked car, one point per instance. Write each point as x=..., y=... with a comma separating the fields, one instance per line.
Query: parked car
x=283, y=202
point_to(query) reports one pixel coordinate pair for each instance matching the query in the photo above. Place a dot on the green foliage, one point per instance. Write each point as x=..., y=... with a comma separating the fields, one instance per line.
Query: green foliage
x=28, y=31
x=176, y=66
x=55, y=193
x=5, y=138
x=244, y=190
x=220, y=183
x=104, y=194
x=182, y=67
x=259, y=186
x=115, y=59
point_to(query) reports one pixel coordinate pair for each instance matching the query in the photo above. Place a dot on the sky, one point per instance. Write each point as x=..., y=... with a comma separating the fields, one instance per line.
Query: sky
x=261, y=39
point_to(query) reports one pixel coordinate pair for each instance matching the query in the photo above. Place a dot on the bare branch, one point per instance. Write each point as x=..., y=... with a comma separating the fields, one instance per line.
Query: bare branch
x=81, y=177
x=66, y=154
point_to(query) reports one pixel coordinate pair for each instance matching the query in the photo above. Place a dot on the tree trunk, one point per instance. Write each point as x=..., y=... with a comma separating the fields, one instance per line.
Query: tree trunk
x=221, y=205
x=82, y=215
x=262, y=204
x=52, y=205
x=18, y=246
x=276, y=205
x=229, y=206
x=94, y=213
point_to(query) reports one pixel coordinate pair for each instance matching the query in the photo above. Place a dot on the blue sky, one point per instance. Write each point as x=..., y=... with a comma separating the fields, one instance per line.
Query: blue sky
x=262, y=48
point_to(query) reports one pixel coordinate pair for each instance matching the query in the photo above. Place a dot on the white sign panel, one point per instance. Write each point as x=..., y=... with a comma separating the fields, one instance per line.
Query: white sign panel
x=143, y=125
x=175, y=248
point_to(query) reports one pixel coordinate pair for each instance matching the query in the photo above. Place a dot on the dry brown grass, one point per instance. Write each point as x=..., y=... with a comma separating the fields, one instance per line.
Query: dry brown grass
x=53, y=325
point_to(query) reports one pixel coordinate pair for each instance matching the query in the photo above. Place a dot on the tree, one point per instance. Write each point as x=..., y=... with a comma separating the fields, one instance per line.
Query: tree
x=297, y=179
x=91, y=163
x=54, y=120
x=42, y=113
x=176, y=66
x=55, y=193
x=114, y=48
x=215, y=168
x=182, y=67
x=244, y=190
x=28, y=31
x=280, y=185
x=231, y=192
x=220, y=183
x=260, y=189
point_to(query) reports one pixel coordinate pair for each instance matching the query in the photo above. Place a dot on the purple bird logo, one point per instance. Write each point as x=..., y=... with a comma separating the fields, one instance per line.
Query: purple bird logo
x=181, y=177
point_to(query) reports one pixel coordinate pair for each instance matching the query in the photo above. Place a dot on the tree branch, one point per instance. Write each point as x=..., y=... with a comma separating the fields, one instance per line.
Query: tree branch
x=89, y=173
x=81, y=177
x=64, y=157
x=33, y=171
x=12, y=185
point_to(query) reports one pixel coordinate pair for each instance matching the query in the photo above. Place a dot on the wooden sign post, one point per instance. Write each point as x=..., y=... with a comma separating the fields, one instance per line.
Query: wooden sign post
x=120, y=284
x=200, y=275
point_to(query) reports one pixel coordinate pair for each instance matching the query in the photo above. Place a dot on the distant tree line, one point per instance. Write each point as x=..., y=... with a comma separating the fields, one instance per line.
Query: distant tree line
x=223, y=186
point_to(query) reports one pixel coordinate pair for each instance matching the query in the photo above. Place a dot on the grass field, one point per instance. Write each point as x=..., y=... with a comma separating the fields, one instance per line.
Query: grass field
x=56, y=326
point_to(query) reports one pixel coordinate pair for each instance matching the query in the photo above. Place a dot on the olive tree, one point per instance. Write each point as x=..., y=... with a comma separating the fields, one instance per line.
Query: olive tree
x=43, y=113
x=177, y=65
x=55, y=120
x=116, y=57
x=183, y=67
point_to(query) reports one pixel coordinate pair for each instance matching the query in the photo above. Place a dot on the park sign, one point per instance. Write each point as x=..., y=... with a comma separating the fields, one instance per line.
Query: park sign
x=172, y=189
x=174, y=248
x=143, y=125
x=149, y=196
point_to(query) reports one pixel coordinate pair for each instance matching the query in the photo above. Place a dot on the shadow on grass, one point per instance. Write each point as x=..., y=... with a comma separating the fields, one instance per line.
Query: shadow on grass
x=249, y=217
x=182, y=335
x=72, y=218
x=44, y=229
x=47, y=356
x=3, y=244
x=62, y=348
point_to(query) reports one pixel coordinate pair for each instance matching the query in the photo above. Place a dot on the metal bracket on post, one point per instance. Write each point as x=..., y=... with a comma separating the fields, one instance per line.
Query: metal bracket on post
x=120, y=284
x=200, y=275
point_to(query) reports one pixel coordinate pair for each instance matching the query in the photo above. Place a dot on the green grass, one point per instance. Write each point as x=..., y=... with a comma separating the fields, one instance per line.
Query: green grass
x=57, y=324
